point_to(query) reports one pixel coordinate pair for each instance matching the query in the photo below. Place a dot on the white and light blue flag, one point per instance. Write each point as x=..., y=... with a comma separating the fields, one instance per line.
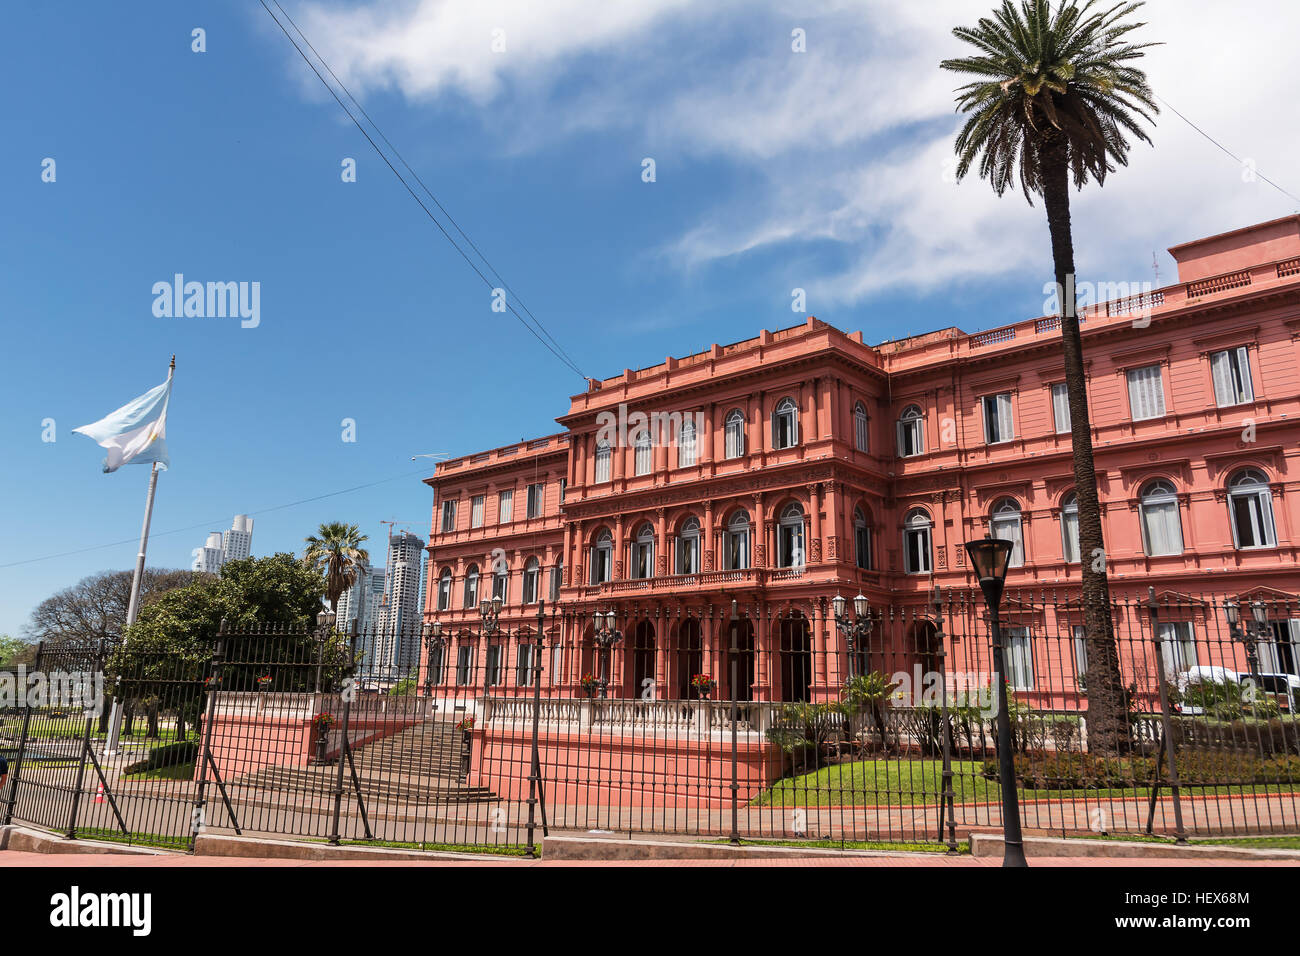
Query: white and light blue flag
x=136, y=433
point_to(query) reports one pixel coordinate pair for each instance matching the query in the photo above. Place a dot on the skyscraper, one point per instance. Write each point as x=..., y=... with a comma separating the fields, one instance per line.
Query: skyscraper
x=398, y=648
x=208, y=558
x=222, y=546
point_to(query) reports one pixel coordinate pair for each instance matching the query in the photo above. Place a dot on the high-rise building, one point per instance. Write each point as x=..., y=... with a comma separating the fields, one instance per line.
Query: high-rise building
x=208, y=558
x=222, y=546
x=399, y=620
x=237, y=543
x=353, y=602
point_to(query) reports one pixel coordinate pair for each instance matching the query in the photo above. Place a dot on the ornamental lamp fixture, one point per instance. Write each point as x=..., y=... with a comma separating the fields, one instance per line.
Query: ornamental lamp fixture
x=838, y=604
x=861, y=606
x=990, y=557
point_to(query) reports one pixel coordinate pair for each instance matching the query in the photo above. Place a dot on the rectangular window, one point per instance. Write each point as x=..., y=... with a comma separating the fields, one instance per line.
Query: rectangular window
x=1020, y=658
x=494, y=664
x=1146, y=393
x=506, y=507
x=1080, y=645
x=476, y=511
x=535, y=500
x=860, y=429
x=602, y=463
x=524, y=665
x=997, y=418
x=644, y=460
x=448, y=516
x=1231, y=371
x=557, y=664
x=1252, y=518
x=464, y=665
x=564, y=486
x=1061, y=408
x=735, y=438
x=531, y=574
x=1070, y=535
x=557, y=576
x=1177, y=647
x=686, y=445
x=916, y=551
x=500, y=585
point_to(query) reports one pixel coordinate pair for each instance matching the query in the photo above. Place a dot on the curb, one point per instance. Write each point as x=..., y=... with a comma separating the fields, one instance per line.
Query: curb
x=37, y=841
x=990, y=844
x=594, y=848
x=251, y=848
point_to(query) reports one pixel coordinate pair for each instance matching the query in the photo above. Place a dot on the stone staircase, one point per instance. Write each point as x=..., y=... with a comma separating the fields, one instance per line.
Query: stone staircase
x=419, y=765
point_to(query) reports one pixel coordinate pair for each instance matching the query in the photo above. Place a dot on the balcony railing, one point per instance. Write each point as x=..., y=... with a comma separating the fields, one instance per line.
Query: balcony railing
x=632, y=715
x=743, y=578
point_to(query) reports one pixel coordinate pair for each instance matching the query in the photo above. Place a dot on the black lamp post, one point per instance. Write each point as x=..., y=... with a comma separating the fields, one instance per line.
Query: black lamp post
x=857, y=631
x=606, y=635
x=990, y=557
x=433, y=641
x=1254, y=631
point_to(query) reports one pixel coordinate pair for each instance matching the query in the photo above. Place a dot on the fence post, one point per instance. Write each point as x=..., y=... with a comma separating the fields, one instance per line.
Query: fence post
x=198, y=823
x=946, y=804
x=22, y=740
x=347, y=691
x=735, y=716
x=1167, y=725
x=85, y=752
x=534, y=774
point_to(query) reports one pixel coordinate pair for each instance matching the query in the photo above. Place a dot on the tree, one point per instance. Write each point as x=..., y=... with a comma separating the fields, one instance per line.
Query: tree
x=95, y=607
x=169, y=649
x=14, y=651
x=336, y=552
x=1056, y=97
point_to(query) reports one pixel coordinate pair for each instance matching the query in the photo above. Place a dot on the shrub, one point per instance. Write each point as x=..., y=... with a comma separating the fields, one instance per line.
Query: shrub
x=186, y=751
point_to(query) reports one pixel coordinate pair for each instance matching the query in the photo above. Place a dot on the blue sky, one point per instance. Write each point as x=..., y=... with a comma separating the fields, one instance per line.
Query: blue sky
x=823, y=170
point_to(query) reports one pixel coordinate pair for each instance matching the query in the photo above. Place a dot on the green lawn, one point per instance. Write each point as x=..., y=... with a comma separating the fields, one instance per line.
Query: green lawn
x=491, y=849
x=161, y=841
x=892, y=783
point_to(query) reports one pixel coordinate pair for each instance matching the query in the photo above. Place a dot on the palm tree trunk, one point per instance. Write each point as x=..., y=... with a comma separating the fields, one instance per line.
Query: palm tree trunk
x=1107, y=711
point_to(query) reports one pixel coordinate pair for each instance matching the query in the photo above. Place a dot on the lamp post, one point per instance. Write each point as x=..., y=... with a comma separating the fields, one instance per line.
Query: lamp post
x=989, y=557
x=1254, y=631
x=606, y=635
x=324, y=624
x=489, y=612
x=857, y=631
x=433, y=641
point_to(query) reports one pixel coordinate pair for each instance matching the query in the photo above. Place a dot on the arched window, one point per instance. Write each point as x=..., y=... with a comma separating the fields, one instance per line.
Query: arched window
x=785, y=424
x=444, y=589
x=532, y=576
x=1004, y=522
x=643, y=552
x=688, y=547
x=1070, y=528
x=602, y=558
x=602, y=461
x=735, y=439
x=737, y=541
x=861, y=539
x=860, y=427
x=789, y=538
x=1250, y=507
x=644, y=453
x=1162, y=531
x=501, y=580
x=471, y=586
x=911, y=438
x=916, y=542
x=686, y=444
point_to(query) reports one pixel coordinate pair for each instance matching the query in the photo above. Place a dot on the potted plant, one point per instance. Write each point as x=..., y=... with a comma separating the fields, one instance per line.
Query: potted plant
x=264, y=682
x=321, y=725
x=704, y=685
x=589, y=685
x=466, y=723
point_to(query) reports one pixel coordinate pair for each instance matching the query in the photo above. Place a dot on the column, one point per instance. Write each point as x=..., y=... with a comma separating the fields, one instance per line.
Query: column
x=707, y=543
x=815, y=546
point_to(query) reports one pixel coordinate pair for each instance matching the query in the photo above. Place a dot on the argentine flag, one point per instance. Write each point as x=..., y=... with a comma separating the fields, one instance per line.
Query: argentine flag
x=135, y=433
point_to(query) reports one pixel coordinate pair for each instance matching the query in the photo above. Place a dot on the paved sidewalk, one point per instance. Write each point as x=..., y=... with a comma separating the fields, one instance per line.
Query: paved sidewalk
x=16, y=858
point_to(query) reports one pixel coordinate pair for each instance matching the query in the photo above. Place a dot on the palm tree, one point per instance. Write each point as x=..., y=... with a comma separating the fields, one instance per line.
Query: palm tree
x=1055, y=97
x=335, y=550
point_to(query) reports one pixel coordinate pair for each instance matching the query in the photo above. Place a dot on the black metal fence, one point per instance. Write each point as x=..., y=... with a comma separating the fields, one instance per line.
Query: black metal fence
x=755, y=721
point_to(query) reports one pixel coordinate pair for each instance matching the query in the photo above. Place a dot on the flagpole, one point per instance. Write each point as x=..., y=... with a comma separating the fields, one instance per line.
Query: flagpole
x=133, y=608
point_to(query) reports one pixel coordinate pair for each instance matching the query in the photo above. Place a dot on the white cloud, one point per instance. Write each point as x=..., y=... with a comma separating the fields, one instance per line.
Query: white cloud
x=848, y=142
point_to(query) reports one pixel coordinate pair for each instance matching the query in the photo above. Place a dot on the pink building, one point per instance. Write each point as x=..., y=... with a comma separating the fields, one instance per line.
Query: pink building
x=804, y=463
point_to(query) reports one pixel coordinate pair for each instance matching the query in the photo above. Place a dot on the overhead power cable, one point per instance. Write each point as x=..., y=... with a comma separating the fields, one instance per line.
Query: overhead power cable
x=540, y=332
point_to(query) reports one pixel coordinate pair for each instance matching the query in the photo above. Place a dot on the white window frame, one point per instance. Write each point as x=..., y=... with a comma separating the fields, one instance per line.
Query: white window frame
x=999, y=425
x=469, y=596
x=1018, y=657
x=1079, y=645
x=911, y=424
x=861, y=428
x=785, y=424
x=1246, y=487
x=1177, y=647
x=444, y=590
x=734, y=438
x=642, y=564
x=737, y=542
x=1007, y=522
x=790, y=552
x=1071, y=550
x=688, y=547
x=532, y=579
x=536, y=499
x=477, y=506
x=603, y=455
x=1153, y=497
x=861, y=540
x=686, y=444
x=1146, y=392
x=448, y=516
x=602, y=558
x=1061, y=420
x=644, y=455
x=506, y=506
x=918, y=525
x=1230, y=374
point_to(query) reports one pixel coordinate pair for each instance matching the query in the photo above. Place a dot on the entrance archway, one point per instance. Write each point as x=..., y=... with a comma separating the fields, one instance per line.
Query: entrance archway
x=795, y=653
x=639, y=664
x=688, y=658
x=744, y=687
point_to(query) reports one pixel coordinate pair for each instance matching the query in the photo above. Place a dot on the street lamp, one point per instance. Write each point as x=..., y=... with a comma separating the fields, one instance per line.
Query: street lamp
x=854, y=632
x=606, y=634
x=1254, y=631
x=433, y=640
x=990, y=557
